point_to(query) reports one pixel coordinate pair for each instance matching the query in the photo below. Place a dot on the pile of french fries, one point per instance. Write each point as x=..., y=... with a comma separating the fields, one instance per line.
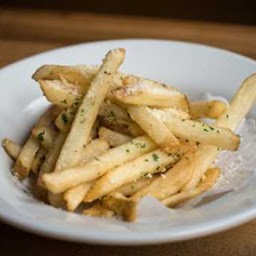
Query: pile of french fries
x=109, y=139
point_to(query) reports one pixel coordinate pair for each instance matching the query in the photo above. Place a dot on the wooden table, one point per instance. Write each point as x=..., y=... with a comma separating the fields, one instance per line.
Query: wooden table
x=23, y=33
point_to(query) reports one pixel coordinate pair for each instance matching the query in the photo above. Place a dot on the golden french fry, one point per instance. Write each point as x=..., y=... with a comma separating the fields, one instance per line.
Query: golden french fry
x=121, y=206
x=165, y=114
x=113, y=111
x=140, y=91
x=98, y=211
x=88, y=111
x=231, y=118
x=39, y=159
x=64, y=95
x=74, y=197
x=95, y=148
x=79, y=75
x=143, y=166
x=26, y=157
x=211, y=174
x=127, y=127
x=207, y=109
x=113, y=138
x=133, y=187
x=51, y=157
x=60, y=182
x=12, y=148
x=170, y=182
x=203, y=133
x=154, y=127
x=45, y=136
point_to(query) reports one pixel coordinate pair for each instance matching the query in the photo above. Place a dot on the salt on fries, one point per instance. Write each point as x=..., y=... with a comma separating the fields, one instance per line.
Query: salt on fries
x=118, y=138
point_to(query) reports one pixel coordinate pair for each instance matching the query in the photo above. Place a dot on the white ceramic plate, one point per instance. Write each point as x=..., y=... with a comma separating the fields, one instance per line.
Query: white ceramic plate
x=191, y=67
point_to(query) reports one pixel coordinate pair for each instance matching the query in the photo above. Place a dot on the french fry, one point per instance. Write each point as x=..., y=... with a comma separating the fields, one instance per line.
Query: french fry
x=170, y=182
x=74, y=197
x=88, y=111
x=45, y=136
x=51, y=157
x=98, y=211
x=95, y=148
x=147, y=92
x=127, y=127
x=113, y=111
x=154, y=127
x=207, y=109
x=113, y=138
x=133, y=187
x=63, y=95
x=39, y=159
x=165, y=114
x=212, y=175
x=79, y=75
x=143, y=166
x=26, y=157
x=121, y=206
x=239, y=107
x=12, y=148
x=27, y=154
x=197, y=131
x=62, y=181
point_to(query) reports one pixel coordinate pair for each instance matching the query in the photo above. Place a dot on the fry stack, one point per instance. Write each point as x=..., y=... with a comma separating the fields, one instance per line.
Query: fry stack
x=108, y=139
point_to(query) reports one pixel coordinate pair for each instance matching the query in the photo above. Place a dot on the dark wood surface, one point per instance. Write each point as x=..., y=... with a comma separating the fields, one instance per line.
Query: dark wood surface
x=23, y=33
x=237, y=11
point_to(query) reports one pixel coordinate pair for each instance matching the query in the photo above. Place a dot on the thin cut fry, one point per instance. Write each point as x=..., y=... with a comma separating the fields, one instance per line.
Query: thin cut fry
x=146, y=165
x=75, y=196
x=12, y=148
x=113, y=138
x=170, y=182
x=207, y=109
x=127, y=127
x=203, y=133
x=212, y=175
x=113, y=111
x=133, y=187
x=61, y=94
x=88, y=110
x=51, y=157
x=27, y=154
x=154, y=127
x=26, y=157
x=60, y=182
x=165, y=114
x=95, y=148
x=141, y=91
